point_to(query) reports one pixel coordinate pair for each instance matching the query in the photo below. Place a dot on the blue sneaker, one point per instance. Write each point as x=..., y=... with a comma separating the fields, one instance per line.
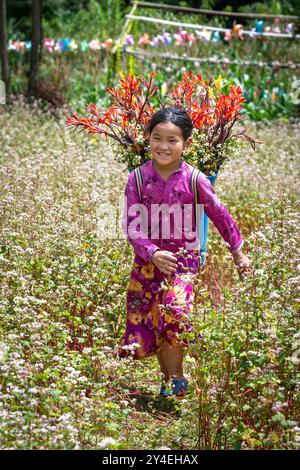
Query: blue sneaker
x=178, y=388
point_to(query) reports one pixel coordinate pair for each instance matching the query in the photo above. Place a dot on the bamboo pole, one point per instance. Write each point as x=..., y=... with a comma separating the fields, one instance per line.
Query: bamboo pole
x=125, y=28
x=116, y=51
x=208, y=28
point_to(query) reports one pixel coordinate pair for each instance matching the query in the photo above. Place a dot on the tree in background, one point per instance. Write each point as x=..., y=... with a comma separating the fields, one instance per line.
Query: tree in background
x=35, y=54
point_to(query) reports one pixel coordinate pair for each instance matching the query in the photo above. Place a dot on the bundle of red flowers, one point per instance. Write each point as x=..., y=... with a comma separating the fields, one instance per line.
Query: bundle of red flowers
x=213, y=114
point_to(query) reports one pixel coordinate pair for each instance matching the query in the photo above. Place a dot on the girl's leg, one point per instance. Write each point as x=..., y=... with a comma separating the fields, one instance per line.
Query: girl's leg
x=181, y=293
x=170, y=359
x=161, y=361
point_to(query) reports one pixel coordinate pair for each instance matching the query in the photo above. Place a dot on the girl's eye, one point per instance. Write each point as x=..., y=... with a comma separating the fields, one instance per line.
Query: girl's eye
x=171, y=141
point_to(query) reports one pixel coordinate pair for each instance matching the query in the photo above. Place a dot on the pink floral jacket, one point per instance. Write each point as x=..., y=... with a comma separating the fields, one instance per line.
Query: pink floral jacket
x=145, y=233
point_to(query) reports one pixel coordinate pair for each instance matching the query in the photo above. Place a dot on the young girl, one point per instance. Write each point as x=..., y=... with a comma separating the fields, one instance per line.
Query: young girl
x=160, y=291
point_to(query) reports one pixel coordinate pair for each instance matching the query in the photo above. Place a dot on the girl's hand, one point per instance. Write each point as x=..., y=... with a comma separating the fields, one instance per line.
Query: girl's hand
x=243, y=263
x=166, y=261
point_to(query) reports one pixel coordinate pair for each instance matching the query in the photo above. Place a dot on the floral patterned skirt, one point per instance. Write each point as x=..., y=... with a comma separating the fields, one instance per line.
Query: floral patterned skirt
x=158, y=306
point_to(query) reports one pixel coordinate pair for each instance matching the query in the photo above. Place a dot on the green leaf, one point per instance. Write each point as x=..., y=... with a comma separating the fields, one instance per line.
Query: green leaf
x=56, y=393
x=246, y=407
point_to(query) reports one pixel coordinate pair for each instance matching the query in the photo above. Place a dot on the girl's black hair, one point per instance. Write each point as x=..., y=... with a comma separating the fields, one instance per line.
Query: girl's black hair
x=176, y=116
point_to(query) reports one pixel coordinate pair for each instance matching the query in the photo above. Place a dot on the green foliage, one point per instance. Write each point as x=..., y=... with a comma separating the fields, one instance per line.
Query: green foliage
x=97, y=20
x=201, y=155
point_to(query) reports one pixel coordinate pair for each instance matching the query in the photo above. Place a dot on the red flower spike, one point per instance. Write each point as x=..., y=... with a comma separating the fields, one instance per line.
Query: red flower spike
x=128, y=114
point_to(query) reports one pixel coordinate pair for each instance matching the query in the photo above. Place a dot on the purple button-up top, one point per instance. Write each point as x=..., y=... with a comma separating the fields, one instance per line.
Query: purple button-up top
x=145, y=233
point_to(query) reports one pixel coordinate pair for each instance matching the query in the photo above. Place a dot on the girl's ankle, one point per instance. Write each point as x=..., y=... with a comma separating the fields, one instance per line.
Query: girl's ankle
x=177, y=377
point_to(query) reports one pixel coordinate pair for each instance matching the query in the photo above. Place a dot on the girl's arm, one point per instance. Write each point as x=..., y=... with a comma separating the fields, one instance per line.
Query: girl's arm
x=135, y=222
x=219, y=215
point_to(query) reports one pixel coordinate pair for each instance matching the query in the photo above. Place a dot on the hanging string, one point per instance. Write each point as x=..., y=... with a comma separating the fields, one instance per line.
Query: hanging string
x=202, y=11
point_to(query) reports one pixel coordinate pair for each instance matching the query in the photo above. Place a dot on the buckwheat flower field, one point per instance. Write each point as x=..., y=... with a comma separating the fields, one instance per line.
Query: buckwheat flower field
x=62, y=302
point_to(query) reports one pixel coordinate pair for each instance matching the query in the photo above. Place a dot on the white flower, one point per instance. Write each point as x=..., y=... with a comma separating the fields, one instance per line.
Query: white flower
x=65, y=417
x=87, y=350
x=106, y=442
x=82, y=379
x=3, y=351
x=131, y=347
x=56, y=358
x=278, y=405
x=295, y=360
x=274, y=295
x=114, y=364
x=124, y=402
x=100, y=330
x=261, y=236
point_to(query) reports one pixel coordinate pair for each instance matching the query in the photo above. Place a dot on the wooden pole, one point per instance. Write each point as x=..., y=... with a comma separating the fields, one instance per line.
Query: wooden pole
x=4, y=55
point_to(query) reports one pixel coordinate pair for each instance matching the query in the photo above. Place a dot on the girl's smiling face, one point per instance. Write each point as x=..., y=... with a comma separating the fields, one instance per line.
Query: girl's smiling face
x=167, y=144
